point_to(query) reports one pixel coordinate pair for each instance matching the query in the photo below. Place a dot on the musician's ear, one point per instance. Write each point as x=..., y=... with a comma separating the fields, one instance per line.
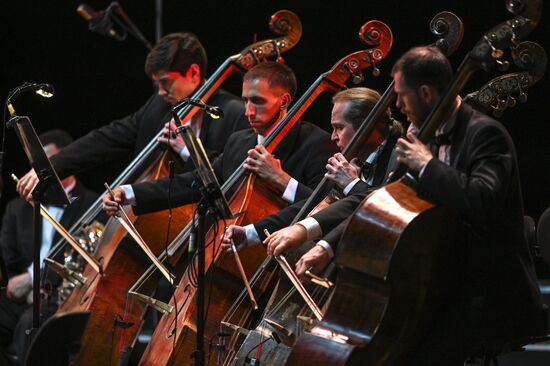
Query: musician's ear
x=195, y=72
x=285, y=101
x=428, y=94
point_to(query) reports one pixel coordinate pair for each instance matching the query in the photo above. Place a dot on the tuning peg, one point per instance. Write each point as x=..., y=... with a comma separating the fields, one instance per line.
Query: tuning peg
x=522, y=96
x=279, y=58
x=502, y=104
x=357, y=78
x=503, y=65
x=511, y=102
x=496, y=53
x=375, y=69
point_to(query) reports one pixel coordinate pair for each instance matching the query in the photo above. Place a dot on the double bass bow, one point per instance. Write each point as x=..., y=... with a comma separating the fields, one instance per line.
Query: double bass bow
x=114, y=322
x=173, y=339
x=397, y=260
x=236, y=319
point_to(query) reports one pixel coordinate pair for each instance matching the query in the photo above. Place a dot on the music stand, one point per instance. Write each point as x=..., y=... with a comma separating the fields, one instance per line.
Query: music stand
x=214, y=203
x=48, y=191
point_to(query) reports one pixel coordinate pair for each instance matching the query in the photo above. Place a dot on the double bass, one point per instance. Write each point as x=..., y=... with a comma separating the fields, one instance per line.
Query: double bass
x=285, y=309
x=398, y=259
x=114, y=322
x=174, y=337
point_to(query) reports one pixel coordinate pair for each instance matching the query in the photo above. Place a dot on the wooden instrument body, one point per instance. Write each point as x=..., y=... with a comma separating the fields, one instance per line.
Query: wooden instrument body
x=398, y=262
x=123, y=262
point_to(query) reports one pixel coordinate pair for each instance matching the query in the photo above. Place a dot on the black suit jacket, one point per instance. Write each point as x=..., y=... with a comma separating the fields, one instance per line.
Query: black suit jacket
x=482, y=185
x=303, y=154
x=16, y=237
x=124, y=138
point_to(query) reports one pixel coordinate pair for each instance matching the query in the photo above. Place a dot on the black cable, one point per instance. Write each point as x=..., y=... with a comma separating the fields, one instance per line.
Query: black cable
x=256, y=346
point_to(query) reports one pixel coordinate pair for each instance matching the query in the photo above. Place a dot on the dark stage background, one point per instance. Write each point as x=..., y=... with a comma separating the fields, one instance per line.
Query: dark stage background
x=98, y=79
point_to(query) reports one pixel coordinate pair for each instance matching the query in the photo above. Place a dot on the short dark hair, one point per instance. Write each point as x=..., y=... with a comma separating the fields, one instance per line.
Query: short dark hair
x=276, y=74
x=176, y=52
x=58, y=137
x=361, y=102
x=424, y=66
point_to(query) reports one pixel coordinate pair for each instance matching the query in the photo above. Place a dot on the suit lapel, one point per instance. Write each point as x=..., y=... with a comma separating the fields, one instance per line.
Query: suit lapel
x=463, y=116
x=287, y=146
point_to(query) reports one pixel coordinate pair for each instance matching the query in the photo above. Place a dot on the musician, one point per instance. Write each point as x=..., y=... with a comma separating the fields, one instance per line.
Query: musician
x=178, y=64
x=471, y=167
x=17, y=243
x=296, y=166
x=350, y=108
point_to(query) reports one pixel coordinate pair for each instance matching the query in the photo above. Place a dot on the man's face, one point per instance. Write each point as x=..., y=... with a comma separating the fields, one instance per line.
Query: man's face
x=342, y=130
x=174, y=86
x=410, y=101
x=263, y=104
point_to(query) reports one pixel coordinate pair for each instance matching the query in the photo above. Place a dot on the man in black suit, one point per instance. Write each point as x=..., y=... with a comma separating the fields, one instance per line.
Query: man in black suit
x=351, y=107
x=296, y=166
x=16, y=243
x=474, y=172
x=178, y=64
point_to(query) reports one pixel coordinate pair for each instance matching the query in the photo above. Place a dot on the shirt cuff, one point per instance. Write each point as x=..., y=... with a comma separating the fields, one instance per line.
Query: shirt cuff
x=312, y=227
x=326, y=246
x=290, y=191
x=129, y=194
x=185, y=154
x=252, y=236
x=349, y=187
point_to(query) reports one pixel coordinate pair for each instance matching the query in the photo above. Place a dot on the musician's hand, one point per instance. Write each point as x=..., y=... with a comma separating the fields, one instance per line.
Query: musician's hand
x=234, y=235
x=413, y=154
x=177, y=143
x=316, y=258
x=340, y=171
x=26, y=185
x=261, y=162
x=19, y=287
x=282, y=240
x=111, y=203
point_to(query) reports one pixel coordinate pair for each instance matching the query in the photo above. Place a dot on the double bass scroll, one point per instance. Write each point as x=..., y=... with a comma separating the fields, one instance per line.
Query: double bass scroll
x=496, y=95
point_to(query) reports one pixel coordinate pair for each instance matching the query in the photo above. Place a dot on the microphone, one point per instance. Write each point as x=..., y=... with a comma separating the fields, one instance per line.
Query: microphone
x=42, y=89
x=99, y=21
x=213, y=111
